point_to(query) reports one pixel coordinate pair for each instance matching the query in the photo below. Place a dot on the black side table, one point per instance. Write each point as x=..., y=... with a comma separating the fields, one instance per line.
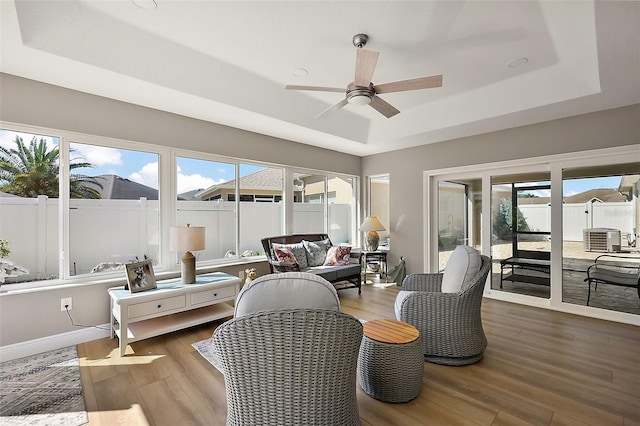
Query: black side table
x=379, y=256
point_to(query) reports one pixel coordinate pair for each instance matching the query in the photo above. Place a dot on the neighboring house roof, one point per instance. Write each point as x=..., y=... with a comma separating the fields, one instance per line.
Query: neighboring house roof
x=534, y=200
x=118, y=188
x=190, y=195
x=628, y=182
x=604, y=195
x=265, y=179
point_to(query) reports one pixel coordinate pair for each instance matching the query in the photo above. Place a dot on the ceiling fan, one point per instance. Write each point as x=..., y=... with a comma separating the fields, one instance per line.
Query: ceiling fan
x=363, y=92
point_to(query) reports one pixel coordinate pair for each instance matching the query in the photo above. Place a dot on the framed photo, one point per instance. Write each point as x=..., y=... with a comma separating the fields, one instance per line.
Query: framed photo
x=140, y=276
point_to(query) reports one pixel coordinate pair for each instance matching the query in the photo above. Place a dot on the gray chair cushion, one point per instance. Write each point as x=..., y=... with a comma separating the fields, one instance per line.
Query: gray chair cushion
x=287, y=290
x=461, y=267
x=403, y=294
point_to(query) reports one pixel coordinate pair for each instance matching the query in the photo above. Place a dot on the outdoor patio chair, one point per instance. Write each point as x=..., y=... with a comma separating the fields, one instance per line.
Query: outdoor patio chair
x=610, y=269
x=445, y=308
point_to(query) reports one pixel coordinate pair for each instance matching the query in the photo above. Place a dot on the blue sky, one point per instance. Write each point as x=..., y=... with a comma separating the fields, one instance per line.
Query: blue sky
x=193, y=174
x=141, y=167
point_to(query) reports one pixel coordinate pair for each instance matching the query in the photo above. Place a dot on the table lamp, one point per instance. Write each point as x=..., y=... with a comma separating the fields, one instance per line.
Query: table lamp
x=187, y=239
x=370, y=226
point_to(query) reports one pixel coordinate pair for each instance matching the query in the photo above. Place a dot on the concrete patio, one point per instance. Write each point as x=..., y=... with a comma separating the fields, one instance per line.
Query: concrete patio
x=574, y=290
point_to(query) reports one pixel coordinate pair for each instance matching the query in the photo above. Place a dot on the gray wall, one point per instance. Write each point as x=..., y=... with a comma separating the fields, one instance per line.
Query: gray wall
x=611, y=128
x=29, y=102
x=34, y=314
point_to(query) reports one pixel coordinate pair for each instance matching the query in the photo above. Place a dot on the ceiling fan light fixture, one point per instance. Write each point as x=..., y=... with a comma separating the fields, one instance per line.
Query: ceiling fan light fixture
x=360, y=97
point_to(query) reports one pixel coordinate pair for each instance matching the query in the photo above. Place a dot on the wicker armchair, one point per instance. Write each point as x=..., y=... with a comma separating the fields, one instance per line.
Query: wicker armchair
x=449, y=323
x=290, y=366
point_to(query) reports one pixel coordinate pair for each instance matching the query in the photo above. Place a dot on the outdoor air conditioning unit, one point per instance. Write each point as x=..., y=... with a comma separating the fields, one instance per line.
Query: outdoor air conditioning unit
x=601, y=239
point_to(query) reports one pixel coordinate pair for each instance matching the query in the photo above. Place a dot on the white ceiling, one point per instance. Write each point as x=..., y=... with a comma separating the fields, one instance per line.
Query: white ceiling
x=228, y=62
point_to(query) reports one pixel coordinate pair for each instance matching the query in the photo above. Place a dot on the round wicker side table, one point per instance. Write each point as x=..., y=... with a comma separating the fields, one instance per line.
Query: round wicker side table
x=391, y=362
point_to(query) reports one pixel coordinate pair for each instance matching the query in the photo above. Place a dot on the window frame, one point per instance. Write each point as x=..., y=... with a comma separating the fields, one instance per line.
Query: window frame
x=167, y=194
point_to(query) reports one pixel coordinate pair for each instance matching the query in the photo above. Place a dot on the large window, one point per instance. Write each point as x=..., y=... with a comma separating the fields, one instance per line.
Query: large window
x=29, y=192
x=113, y=208
x=309, y=206
x=521, y=233
x=601, y=218
x=340, y=204
x=203, y=190
x=261, y=214
x=114, y=201
x=459, y=216
x=379, y=205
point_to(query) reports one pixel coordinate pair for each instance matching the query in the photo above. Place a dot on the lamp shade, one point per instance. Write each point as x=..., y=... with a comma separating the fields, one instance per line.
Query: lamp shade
x=372, y=223
x=186, y=238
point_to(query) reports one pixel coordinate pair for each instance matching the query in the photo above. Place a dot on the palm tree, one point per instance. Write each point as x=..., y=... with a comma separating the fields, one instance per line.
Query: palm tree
x=29, y=171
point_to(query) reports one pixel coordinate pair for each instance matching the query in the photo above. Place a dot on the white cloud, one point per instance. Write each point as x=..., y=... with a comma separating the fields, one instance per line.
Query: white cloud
x=195, y=181
x=147, y=175
x=7, y=139
x=98, y=155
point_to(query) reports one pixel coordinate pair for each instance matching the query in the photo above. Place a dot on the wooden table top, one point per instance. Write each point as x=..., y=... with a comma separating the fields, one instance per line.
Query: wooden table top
x=390, y=331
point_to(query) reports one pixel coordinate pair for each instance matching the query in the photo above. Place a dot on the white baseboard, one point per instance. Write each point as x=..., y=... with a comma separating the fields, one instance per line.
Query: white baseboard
x=36, y=346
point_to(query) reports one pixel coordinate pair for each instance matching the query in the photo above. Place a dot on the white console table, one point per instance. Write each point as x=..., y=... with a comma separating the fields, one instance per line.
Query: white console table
x=170, y=307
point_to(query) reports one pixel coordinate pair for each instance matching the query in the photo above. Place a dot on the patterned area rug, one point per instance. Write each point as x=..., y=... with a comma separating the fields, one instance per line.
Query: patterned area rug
x=43, y=389
x=204, y=347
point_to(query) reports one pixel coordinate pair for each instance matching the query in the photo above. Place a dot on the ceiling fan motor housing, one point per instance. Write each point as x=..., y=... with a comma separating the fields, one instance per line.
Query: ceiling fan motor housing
x=360, y=40
x=358, y=95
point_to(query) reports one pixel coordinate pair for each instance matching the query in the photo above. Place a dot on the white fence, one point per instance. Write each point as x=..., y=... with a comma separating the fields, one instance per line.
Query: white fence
x=121, y=230
x=577, y=217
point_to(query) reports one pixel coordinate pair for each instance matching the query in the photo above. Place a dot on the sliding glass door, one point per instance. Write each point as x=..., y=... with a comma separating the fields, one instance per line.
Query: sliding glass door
x=601, y=218
x=459, y=215
x=544, y=225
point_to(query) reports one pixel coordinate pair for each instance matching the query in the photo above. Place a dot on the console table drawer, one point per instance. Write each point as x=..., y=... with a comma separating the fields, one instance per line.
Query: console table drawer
x=209, y=296
x=157, y=306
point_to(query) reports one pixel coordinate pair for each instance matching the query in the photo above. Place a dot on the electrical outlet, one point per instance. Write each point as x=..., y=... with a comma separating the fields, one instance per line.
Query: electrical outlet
x=66, y=303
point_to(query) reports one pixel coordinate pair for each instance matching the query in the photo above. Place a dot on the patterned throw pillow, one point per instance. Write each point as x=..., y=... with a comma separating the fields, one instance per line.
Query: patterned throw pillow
x=338, y=255
x=285, y=254
x=298, y=251
x=316, y=251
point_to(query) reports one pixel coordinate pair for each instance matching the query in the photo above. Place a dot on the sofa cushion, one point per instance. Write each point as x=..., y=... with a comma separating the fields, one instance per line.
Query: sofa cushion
x=336, y=272
x=316, y=251
x=461, y=268
x=338, y=255
x=298, y=250
x=287, y=290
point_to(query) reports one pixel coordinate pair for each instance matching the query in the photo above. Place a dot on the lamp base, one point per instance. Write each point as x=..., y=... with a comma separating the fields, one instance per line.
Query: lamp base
x=372, y=240
x=188, y=268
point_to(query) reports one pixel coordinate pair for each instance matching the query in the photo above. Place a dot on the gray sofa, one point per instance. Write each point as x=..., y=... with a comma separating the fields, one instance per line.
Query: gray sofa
x=350, y=274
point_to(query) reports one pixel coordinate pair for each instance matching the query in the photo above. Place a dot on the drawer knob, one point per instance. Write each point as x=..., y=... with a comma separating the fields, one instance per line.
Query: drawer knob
x=159, y=306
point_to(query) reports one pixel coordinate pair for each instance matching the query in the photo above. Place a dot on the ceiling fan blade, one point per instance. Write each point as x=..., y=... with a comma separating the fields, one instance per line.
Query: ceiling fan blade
x=315, y=88
x=383, y=107
x=334, y=107
x=412, y=84
x=365, y=66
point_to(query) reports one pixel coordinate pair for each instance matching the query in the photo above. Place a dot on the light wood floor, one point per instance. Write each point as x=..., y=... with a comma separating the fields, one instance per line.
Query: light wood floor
x=540, y=367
